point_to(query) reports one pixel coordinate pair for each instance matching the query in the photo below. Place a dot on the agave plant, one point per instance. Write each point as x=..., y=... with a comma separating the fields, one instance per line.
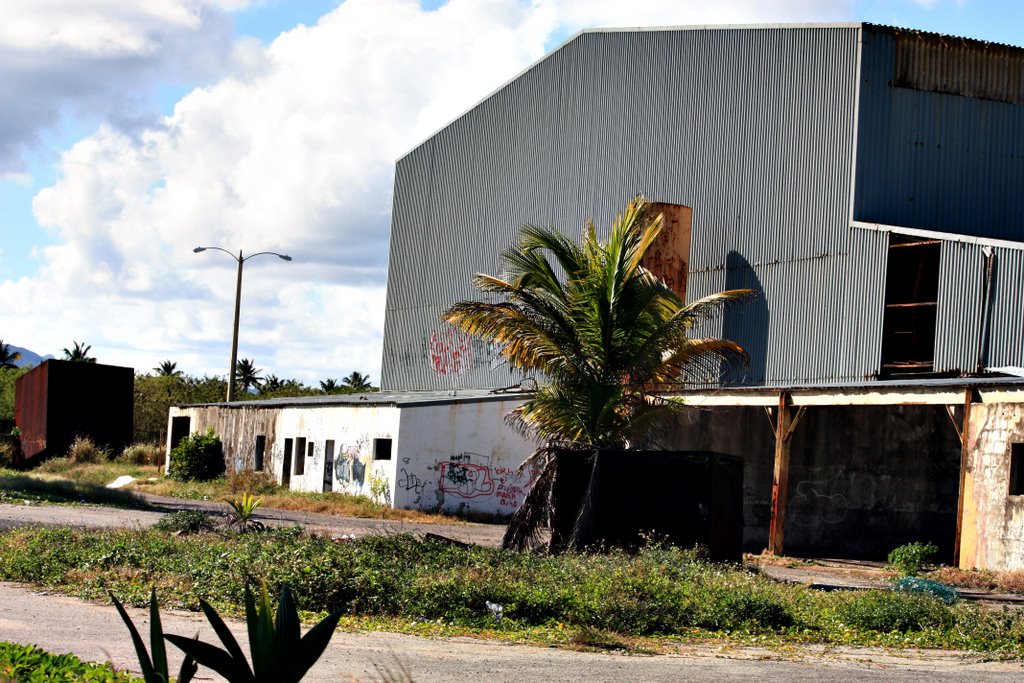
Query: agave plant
x=154, y=668
x=242, y=510
x=279, y=654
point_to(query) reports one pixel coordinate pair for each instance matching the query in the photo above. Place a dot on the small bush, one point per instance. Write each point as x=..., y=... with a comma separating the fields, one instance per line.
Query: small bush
x=250, y=481
x=910, y=558
x=186, y=522
x=84, y=450
x=6, y=454
x=31, y=663
x=886, y=612
x=141, y=454
x=198, y=457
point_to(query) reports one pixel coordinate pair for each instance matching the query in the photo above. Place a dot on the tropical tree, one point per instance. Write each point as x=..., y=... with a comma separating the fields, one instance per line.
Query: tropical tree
x=8, y=357
x=607, y=338
x=357, y=381
x=79, y=354
x=247, y=375
x=271, y=384
x=167, y=369
x=329, y=386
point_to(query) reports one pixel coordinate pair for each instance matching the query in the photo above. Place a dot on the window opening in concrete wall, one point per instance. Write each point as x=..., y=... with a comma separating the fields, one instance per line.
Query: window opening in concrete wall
x=669, y=256
x=180, y=428
x=261, y=447
x=911, y=303
x=300, y=450
x=286, y=469
x=328, y=465
x=1017, y=469
x=382, y=449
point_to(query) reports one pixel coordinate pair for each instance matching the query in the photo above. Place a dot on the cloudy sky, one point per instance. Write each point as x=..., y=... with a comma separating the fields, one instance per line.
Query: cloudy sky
x=133, y=130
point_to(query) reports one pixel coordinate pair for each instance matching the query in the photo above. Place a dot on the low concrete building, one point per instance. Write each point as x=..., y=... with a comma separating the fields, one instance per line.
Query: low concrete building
x=423, y=450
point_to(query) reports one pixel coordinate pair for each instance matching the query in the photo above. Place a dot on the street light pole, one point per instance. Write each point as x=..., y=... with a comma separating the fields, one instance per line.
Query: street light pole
x=238, y=306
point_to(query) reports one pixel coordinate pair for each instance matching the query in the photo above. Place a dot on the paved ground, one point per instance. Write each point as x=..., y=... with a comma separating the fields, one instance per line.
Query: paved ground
x=95, y=516
x=95, y=632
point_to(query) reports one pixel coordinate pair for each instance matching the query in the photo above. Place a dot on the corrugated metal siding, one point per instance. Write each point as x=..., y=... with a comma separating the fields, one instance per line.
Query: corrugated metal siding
x=929, y=156
x=752, y=128
x=961, y=306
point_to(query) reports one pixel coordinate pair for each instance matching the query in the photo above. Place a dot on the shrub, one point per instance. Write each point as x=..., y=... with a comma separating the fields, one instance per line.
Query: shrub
x=84, y=450
x=251, y=481
x=908, y=559
x=885, y=612
x=198, y=457
x=141, y=454
x=6, y=454
x=185, y=522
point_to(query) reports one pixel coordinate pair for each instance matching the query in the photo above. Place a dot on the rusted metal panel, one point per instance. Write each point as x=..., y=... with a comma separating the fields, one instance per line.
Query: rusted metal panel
x=60, y=400
x=669, y=256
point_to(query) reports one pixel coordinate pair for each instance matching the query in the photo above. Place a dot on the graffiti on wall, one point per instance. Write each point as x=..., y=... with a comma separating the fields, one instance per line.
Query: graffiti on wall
x=471, y=476
x=450, y=352
x=350, y=467
x=817, y=502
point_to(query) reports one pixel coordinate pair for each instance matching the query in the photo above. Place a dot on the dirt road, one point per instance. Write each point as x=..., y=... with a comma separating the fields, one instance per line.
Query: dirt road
x=95, y=632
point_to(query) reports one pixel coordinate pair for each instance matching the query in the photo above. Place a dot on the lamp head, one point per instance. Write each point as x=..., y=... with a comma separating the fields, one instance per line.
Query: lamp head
x=285, y=257
x=199, y=249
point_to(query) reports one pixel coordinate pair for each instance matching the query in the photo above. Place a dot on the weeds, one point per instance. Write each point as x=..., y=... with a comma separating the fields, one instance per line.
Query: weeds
x=30, y=663
x=657, y=592
x=251, y=481
x=141, y=454
x=909, y=559
x=21, y=488
x=84, y=450
x=185, y=522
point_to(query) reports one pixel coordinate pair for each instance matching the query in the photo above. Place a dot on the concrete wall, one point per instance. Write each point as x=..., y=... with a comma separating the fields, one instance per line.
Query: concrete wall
x=454, y=456
x=862, y=480
x=461, y=458
x=992, y=534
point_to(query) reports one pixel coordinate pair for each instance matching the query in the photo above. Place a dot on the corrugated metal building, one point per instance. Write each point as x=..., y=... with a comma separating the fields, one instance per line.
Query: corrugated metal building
x=857, y=176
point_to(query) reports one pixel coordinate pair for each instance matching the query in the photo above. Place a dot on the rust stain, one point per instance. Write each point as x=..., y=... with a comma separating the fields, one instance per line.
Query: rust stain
x=669, y=256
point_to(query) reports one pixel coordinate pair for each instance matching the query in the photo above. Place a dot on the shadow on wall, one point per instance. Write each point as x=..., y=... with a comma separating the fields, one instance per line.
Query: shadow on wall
x=747, y=325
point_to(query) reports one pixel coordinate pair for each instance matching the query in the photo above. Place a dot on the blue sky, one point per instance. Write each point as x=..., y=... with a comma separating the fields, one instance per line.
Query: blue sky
x=133, y=131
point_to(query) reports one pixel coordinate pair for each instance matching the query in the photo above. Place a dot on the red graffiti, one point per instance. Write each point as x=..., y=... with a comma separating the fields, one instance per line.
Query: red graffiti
x=450, y=352
x=466, y=480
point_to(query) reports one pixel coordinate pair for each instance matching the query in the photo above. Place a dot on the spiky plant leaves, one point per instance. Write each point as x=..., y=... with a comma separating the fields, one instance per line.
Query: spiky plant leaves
x=154, y=670
x=225, y=635
x=214, y=658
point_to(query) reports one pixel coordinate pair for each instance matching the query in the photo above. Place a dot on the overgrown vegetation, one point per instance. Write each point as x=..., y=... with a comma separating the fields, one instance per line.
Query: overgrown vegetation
x=657, y=592
x=197, y=457
x=84, y=450
x=909, y=559
x=28, y=664
x=20, y=488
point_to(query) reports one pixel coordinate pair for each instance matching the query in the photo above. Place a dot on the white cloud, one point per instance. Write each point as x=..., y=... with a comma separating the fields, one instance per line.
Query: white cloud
x=96, y=60
x=292, y=151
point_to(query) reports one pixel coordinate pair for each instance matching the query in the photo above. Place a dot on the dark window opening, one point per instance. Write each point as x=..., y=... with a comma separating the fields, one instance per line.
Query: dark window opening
x=669, y=257
x=300, y=450
x=180, y=428
x=261, y=447
x=1017, y=469
x=286, y=468
x=911, y=303
x=382, y=449
x=328, y=466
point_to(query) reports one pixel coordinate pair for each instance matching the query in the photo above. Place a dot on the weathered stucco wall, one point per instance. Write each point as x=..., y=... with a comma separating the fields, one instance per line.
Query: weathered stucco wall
x=455, y=456
x=862, y=480
x=461, y=457
x=993, y=523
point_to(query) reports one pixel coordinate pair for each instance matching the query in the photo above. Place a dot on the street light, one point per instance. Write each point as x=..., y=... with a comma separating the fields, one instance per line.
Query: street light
x=238, y=301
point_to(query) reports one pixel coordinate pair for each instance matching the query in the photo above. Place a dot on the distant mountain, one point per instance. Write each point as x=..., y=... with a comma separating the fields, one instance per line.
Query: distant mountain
x=30, y=358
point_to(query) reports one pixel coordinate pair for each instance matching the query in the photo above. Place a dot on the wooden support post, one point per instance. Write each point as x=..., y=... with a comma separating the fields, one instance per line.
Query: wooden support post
x=964, y=453
x=785, y=423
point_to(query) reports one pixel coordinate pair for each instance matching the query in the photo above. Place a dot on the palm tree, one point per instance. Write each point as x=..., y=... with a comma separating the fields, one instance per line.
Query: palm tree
x=329, y=386
x=609, y=339
x=247, y=374
x=8, y=358
x=271, y=383
x=167, y=369
x=357, y=381
x=80, y=354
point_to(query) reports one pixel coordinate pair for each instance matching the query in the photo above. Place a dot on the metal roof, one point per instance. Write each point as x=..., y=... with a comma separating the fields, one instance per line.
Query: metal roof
x=397, y=399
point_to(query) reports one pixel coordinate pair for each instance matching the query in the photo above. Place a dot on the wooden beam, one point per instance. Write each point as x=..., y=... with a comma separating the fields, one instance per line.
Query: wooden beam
x=965, y=439
x=780, y=483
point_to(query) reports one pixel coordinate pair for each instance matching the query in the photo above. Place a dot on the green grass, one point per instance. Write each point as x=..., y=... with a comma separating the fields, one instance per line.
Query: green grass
x=28, y=663
x=21, y=488
x=586, y=600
